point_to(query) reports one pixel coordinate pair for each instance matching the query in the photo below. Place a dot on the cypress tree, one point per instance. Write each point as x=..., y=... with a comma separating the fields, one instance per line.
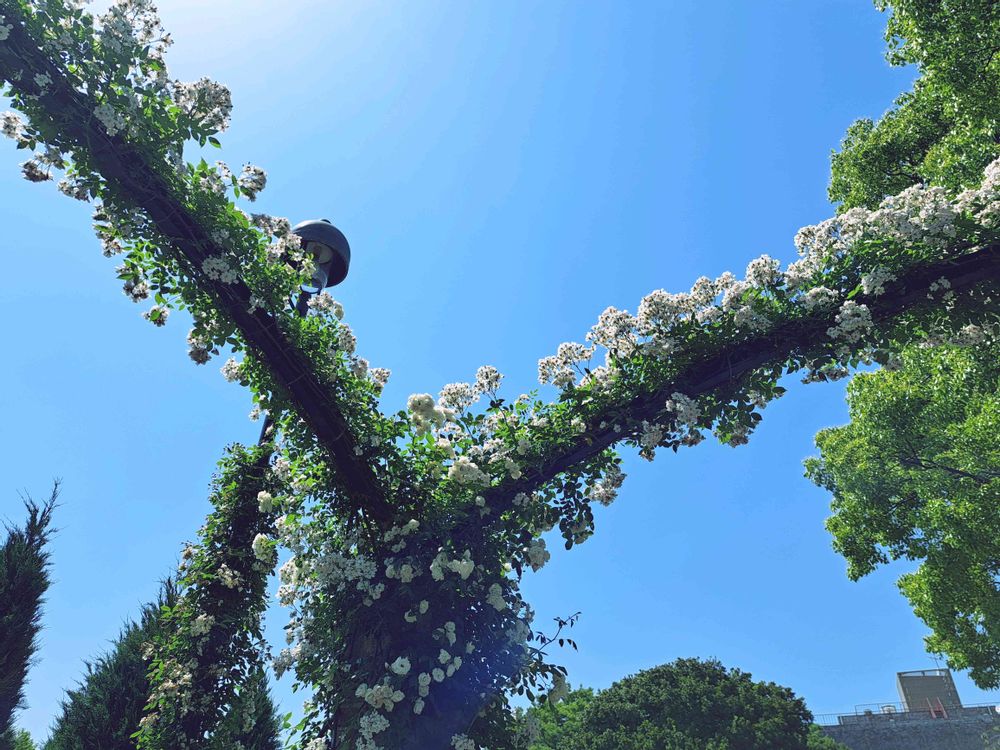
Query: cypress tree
x=105, y=710
x=24, y=562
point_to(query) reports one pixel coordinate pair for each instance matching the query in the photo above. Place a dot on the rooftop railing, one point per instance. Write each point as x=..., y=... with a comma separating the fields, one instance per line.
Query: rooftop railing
x=890, y=711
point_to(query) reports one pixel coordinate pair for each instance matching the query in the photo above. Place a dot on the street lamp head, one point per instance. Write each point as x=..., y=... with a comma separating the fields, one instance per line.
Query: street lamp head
x=329, y=249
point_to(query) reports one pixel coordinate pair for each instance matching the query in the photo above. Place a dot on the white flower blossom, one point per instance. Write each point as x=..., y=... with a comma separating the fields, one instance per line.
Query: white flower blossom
x=650, y=438
x=232, y=371
x=206, y=102
x=201, y=624
x=110, y=118
x=265, y=501
x=488, y=379
x=424, y=415
x=251, y=181
x=33, y=171
x=606, y=489
x=199, y=349
x=685, y=409
x=383, y=697
x=874, y=281
x=818, y=298
x=228, y=577
x=853, y=322
x=262, y=548
x=401, y=666
x=157, y=315
x=464, y=471
x=763, y=272
x=11, y=123
x=495, y=598
x=458, y=396
x=614, y=330
x=379, y=376
x=359, y=368
x=536, y=554
x=325, y=303
x=560, y=689
x=372, y=724
x=969, y=335
x=218, y=268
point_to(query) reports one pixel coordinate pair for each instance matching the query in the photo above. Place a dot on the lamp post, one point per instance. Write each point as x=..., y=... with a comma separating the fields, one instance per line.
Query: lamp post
x=332, y=257
x=330, y=251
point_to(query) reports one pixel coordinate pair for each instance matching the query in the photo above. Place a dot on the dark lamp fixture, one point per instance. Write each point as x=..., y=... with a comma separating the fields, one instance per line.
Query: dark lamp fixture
x=329, y=249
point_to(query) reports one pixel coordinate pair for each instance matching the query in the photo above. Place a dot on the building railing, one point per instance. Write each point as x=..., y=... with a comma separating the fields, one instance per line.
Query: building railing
x=891, y=711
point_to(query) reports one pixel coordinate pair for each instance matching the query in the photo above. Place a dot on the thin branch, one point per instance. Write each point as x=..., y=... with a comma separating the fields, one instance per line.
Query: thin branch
x=915, y=462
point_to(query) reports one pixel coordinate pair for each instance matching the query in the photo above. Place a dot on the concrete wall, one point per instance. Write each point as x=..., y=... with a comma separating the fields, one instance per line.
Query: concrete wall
x=963, y=732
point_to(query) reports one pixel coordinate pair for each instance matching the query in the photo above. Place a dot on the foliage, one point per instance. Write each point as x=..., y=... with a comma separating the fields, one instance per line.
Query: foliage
x=17, y=739
x=946, y=129
x=565, y=725
x=911, y=475
x=254, y=723
x=217, y=611
x=819, y=741
x=24, y=578
x=689, y=704
x=893, y=473
x=557, y=725
x=105, y=710
x=915, y=476
x=410, y=531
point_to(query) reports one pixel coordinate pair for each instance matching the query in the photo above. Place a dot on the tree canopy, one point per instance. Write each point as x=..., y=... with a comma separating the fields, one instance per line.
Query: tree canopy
x=22, y=740
x=689, y=704
x=556, y=725
x=916, y=476
x=912, y=476
x=106, y=709
x=946, y=129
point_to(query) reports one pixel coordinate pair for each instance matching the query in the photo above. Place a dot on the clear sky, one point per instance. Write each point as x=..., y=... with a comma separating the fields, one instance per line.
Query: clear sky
x=504, y=171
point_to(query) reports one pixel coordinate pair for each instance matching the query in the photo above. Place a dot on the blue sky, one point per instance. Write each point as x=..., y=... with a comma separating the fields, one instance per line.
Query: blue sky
x=504, y=172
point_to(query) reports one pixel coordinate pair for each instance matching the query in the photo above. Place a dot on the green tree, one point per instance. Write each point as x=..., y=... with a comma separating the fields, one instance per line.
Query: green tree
x=819, y=741
x=946, y=129
x=105, y=710
x=22, y=740
x=559, y=724
x=697, y=705
x=562, y=726
x=24, y=578
x=916, y=476
x=911, y=475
